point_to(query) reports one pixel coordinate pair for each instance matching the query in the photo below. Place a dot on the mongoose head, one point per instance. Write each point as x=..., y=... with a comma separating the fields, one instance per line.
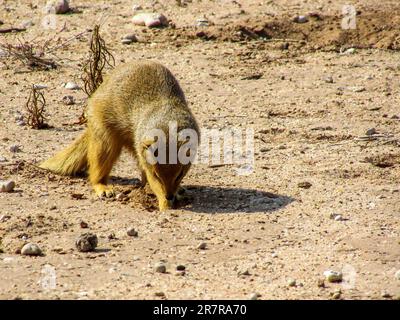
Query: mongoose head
x=164, y=174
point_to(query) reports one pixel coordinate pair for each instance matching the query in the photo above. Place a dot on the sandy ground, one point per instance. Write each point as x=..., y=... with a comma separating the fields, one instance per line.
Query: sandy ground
x=261, y=230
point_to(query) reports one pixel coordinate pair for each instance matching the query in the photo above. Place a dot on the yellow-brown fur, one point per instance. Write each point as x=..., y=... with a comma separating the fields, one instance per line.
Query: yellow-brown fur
x=134, y=99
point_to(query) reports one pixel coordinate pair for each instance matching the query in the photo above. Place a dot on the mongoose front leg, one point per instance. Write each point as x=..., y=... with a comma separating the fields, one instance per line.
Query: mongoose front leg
x=101, y=158
x=143, y=180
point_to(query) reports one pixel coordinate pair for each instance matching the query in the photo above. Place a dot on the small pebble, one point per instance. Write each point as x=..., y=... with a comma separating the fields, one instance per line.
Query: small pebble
x=137, y=7
x=291, y=283
x=336, y=295
x=129, y=38
x=71, y=86
x=180, y=267
x=254, y=296
x=31, y=249
x=84, y=225
x=86, y=242
x=40, y=86
x=2, y=159
x=336, y=217
x=385, y=294
x=358, y=89
x=371, y=132
x=328, y=79
x=300, y=19
x=333, y=276
x=15, y=148
x=132, y=232
x=304, y=185
x=350, y=51
x=57, y=6
x=244, y=273
x=202, y=246
x=159, y=294
x=150, y=20
x=339, y=218
x=126, y=41
x=160, y=267
x=68, y=100
x=7, y=186
x=397, y=275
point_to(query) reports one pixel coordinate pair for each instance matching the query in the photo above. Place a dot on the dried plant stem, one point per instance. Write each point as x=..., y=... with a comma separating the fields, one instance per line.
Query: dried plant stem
x=35, y=107
x=99, y=57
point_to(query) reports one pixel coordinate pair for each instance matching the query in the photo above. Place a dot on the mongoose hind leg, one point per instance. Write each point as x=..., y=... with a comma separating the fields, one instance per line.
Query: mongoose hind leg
x=101, y=158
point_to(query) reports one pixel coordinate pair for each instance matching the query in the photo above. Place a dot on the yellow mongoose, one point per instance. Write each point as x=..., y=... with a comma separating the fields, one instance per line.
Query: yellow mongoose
x=133, y=100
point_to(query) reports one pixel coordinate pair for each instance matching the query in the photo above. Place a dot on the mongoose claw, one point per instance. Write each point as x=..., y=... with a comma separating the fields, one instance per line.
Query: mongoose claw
x=182, y=195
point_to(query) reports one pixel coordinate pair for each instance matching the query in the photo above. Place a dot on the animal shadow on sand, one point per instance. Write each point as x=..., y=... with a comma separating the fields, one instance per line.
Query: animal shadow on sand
x=234, y=200
x=206, y=199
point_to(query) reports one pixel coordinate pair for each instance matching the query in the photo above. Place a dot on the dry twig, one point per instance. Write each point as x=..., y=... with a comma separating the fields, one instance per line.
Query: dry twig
x=99, y=58
x=35, y=106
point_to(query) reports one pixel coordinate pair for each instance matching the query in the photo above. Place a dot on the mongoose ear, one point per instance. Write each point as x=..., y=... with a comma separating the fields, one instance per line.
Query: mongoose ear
x=147, y=143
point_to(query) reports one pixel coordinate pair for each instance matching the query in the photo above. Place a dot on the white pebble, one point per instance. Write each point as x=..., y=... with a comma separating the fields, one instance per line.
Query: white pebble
x=137, y=7
x=333, y=276
x=301, y=19
x=291, y=283
x=7, y=186
x=150, y=20
x=160, y=267
x=349, y=51
x=57, y=6
x=71, y=86
x=40, y=86
x=397, y=275
x=31, y=249
x=254, y=296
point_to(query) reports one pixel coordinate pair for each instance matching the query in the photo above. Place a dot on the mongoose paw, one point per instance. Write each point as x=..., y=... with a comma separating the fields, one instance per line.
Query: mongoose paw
x=165, y=205
x=103, y=191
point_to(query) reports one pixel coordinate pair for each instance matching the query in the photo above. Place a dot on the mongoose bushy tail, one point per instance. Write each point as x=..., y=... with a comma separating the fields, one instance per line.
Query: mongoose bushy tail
x=72, y=160
x=135, y=99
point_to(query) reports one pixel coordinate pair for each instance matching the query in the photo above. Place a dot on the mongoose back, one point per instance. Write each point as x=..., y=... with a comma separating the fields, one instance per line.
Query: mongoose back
x=134, y=99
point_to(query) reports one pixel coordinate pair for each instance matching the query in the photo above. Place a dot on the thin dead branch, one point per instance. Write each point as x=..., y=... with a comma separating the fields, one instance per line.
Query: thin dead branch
x=99, y=58
x=35, y=106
